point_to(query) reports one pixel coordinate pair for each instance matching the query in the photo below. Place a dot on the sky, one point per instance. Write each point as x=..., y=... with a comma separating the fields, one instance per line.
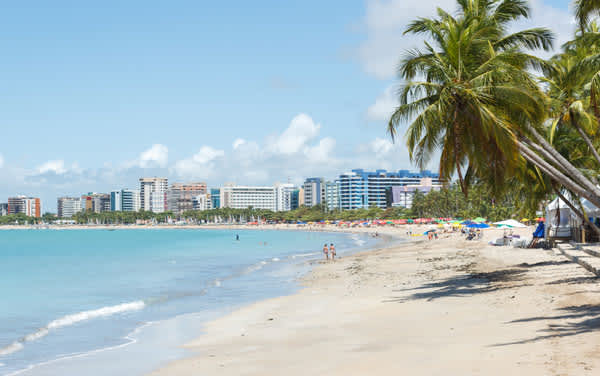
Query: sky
x=94, y=96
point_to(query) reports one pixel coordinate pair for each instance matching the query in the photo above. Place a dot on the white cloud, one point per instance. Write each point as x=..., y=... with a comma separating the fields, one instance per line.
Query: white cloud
x=156, y=156
x=1, y=161
x=384, y=106
x=302, y=129
x=55, y=166
x=386, y=20
x=321, y=152
x=200, y=164
x=238, y=142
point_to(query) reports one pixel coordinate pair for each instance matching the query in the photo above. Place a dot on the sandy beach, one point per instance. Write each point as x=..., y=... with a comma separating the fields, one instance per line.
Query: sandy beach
x=444, y=307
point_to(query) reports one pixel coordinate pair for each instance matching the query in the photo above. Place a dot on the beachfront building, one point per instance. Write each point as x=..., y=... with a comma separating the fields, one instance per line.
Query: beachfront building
x=153, y=194
x=3, y=209
x=95, y=202
x=402, y=196
x=284, y=196
x=180, y=196
x=295, y=199
x=68, y=206
x=116, y=200
x=30, y=206
x=202, y=202
x=215, y=198
x=130, y=200
x=301, y=197
x=332, y=195
x=362, y=189
x=314, y=191
x=243, y=197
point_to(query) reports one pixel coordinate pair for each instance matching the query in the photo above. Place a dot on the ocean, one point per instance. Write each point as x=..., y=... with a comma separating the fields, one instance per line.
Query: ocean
x=121, y=302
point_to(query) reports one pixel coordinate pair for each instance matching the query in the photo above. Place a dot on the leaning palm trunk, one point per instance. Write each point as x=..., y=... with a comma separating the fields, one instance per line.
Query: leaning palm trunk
x=579, y=212
x=555, y=174
x=587, y=140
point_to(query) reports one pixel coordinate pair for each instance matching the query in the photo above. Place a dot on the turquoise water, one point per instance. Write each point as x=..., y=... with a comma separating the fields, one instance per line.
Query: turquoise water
x=69, y=293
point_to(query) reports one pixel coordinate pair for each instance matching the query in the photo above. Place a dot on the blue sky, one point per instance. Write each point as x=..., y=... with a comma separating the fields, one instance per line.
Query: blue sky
x=95, y=96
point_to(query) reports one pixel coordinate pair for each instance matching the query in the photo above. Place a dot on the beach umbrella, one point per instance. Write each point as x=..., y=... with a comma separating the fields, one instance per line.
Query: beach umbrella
x=479, y=220
x=524, y=220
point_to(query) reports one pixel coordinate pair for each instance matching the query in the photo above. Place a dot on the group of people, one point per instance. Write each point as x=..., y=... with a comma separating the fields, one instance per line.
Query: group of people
x=329, y=251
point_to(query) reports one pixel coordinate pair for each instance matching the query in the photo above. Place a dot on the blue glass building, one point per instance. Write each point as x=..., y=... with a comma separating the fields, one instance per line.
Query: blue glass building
x=215, y=197
x=363, y=189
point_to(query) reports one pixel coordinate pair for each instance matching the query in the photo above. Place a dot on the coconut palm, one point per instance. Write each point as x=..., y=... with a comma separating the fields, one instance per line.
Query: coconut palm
x=584, y=9
x=467, y=91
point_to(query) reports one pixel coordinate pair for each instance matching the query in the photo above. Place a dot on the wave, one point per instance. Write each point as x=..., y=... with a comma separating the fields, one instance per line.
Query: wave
x=305, y=254
x=69, y=320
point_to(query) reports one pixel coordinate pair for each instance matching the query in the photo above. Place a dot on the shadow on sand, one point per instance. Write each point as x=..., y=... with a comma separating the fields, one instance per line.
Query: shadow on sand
x=462, y=286
x=585, y=318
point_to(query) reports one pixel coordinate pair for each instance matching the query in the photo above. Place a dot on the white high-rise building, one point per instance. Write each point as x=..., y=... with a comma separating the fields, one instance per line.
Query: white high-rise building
x=202, y=202
x=130, y=200
x=240, y=197
x=332, y=195
x=314, y=191
x=153, y=194
x=116, y=199
x=68, y=206
x=283, y=196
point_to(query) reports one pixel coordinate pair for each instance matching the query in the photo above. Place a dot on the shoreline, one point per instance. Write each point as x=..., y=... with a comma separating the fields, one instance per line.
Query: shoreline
x=424, y=307
x=200, y=317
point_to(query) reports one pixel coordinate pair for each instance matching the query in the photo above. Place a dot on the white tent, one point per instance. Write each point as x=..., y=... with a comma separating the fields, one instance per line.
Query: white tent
x=558, y=215
x=510, y=223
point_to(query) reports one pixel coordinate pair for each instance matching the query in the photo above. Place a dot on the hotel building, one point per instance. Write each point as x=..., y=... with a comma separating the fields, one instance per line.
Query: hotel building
x=153, y=194
x=241, y=197
x=332, y=195
x=30, y=206
x=116, y=200
x=130, y=200
x=314, y=191
x=284, y=196
x=215, y=197
x=202, y=202
x=180, y=196
x=68, y=206
x=95, y=202
x=362, y=189
x=402, y=196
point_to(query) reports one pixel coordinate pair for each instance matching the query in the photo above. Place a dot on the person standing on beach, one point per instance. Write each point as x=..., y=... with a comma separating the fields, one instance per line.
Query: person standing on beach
x=326, y=251
x=332, y=251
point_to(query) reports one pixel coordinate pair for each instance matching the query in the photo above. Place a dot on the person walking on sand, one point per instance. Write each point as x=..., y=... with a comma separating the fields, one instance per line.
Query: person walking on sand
x=326, y=251
x=332, y=251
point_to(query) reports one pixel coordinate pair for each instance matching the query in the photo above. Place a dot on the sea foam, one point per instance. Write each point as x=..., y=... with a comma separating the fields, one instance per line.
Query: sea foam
x=70, y=320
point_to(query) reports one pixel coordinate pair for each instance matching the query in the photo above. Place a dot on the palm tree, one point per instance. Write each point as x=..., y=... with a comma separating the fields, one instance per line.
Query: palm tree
x=584, y=9
x=473, y=90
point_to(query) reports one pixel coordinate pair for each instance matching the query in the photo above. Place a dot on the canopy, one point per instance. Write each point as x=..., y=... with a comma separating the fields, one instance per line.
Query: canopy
x=478, y=225
x=509, y=223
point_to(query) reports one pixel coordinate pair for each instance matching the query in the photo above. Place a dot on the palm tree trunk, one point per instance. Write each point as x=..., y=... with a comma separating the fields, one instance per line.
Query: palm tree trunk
x=586, y=139
x=456, y=153
x=557, y=175
x=569, y=168
x=579, y=213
